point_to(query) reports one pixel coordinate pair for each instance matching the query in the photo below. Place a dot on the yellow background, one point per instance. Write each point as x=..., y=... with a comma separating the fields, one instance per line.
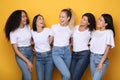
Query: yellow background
x=50, y=9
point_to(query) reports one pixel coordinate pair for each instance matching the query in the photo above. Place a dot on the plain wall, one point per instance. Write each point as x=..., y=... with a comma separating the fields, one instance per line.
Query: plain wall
x=50, y=9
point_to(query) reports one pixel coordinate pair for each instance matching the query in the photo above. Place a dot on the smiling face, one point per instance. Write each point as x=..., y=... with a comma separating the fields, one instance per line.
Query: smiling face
x=23, y=18
x=63, y=19
x=84, y=21
x=101, y=23
x=40, y=22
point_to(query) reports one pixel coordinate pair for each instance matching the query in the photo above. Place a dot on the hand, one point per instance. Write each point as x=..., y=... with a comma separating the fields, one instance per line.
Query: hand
x=71, y=44
x=100, y=67
x=30, y=66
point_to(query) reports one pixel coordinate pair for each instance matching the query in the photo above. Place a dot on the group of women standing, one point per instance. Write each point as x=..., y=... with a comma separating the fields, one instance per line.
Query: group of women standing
x=88, y=44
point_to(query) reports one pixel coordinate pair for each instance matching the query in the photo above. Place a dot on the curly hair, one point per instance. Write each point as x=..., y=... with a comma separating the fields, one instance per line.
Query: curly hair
x=13, y=22
x=91, y=20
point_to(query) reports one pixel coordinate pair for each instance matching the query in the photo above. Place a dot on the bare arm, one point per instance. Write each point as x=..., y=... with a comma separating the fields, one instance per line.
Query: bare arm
x=32, y=41
x=71, y=41
x=51, y=39
x=29, y=64
x=99, y=67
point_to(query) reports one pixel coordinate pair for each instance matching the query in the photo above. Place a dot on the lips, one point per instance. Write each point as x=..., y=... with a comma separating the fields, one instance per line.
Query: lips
x=62, y=21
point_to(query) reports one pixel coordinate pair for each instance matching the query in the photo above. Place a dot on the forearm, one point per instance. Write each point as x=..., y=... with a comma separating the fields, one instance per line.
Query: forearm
x=51, y=39
x=19, y=53
x=105, y=54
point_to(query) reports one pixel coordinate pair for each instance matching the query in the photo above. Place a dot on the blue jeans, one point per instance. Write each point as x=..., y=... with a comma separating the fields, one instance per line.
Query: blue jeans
x=94, y=61
x=79, y=63
x=27, y=52
x=62, y=60
x=44, y=65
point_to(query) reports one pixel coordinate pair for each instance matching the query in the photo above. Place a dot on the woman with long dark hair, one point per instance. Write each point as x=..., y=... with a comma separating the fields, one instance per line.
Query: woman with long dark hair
x=17, y=30
x=44, y=62
x=101, y=42
x=81, y=53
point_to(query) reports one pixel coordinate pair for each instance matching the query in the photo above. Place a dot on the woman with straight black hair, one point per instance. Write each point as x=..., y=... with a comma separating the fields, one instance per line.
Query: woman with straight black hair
x=44, y=62
x=100, y=45
x=17, y=30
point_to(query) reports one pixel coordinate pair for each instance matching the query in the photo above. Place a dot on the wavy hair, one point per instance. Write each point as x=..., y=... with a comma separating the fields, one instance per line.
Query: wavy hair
x=91, y=20
x=13, y=22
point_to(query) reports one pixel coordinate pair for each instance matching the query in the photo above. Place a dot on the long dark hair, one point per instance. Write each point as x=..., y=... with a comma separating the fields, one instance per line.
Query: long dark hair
x=109, y=20
x=34, y=22
x=13, y=22
x=91, y=20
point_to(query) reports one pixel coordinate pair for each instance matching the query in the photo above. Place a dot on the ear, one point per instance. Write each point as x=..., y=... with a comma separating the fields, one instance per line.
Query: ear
x=88, y=23
x=106, y=24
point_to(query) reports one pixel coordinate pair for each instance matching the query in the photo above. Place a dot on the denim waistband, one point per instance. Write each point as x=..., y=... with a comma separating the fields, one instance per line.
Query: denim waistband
x=81, y=51
x=47, y=52
x=25, y=46
x=97, y=54
x=62, y=46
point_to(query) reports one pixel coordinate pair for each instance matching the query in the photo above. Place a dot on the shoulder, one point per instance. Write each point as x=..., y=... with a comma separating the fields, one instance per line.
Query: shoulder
x=47, y=29
x=76, y=27
x=14, y=33
x=109, y=31
x=55, y=25
x=32, y=31
x=28, y=26
x=95, y=31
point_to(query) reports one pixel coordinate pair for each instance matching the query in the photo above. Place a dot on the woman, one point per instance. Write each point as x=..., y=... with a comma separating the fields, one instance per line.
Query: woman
x=17, y=30
x=81, y=37
x=44, y=62
x=101, y=43
x=61, y=33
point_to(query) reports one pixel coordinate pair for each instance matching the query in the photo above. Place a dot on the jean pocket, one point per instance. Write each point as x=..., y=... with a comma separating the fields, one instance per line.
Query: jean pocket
x=57, y=50
x=22, y=50
x=98, y=59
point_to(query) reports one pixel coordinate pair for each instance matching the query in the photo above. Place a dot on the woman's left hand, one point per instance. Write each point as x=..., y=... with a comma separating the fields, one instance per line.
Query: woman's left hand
x=100, y=67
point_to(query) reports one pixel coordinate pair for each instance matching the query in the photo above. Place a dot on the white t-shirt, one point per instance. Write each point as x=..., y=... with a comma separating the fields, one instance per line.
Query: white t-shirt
x=41, y=40
x=21, y=36
x=100, y=40
x=80, y=39
x=61, y=35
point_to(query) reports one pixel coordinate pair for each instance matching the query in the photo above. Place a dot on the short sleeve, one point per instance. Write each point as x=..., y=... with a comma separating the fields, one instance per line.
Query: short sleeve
x=31, y=31
x=110, y=38
x=92, y=34
x=74, y=29
x=51, y=32
x=28, y=26
x=13, y=38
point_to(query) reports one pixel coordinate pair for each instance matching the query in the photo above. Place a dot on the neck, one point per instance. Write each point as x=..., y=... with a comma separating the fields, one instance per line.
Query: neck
x=21, y=26
x=39, y=29
x=102, y=29
x=82, y=28
x=64, y=25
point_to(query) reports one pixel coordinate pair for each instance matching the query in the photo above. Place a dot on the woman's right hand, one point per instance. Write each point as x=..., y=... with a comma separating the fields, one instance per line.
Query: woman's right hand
x=30, y=66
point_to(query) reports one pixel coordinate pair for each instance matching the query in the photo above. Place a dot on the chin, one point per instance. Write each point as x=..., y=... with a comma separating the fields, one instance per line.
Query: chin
x=62, y=23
